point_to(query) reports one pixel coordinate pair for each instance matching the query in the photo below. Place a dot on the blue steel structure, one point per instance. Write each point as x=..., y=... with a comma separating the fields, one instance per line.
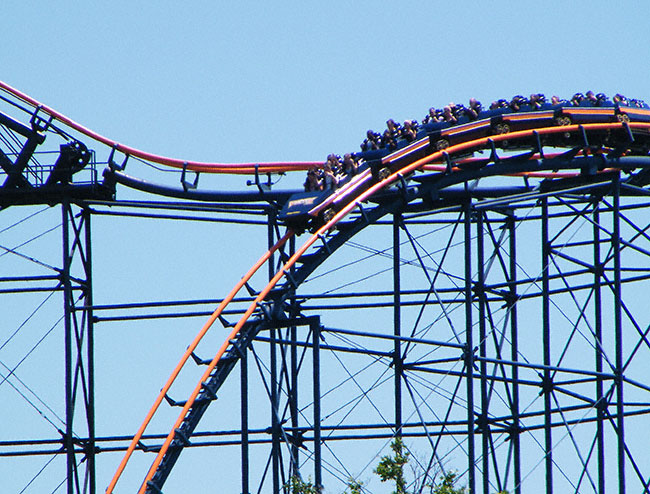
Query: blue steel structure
x=520, y=275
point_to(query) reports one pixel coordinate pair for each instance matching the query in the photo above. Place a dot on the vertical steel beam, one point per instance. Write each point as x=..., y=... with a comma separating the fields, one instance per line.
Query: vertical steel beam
x=480, y=293
x=618, y=331
x=293, y=392
x=315, y=332
x=275, y=426
x=469, y=347
x=275, y=432
x=514, y=355
x=90, y=352
x=397, y=318
x=598, y=344
x=68, y=339
x=546, y=345
x=270, y=239
x=245, y=473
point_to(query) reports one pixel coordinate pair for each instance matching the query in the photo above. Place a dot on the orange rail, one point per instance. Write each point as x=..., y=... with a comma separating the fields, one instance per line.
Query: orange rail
x=345, y=196
x=419, y=164
x=188, y=352
x=260, y=297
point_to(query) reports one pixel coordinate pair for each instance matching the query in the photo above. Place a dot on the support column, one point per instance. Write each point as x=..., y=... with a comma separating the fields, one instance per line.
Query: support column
x=275, y=426
x=546, y=345
x=397, y=324
x=68, y=302
x=90, y=355
x=618, y=331
x=315, y=332
x=79, y=348
x=469, y=349
x=293, y=392
x=480, y=292
x=598, y=329
x=245, y=478
x=514, y=356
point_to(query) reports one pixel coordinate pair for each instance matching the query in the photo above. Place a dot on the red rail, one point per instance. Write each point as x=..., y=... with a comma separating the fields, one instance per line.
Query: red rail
x=198, y=166
x=349, y=196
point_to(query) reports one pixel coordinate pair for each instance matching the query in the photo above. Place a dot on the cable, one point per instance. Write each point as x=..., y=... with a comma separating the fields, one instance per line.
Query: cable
x=26, y=218
x=32, y=349
x=13, y=250
x=22, y=325
x=40, y=412
x=37, y=474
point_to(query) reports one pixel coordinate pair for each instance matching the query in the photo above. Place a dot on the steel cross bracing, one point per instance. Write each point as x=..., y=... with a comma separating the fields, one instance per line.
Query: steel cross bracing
x=580, y=271
x=478, y=297
x=69, y=278
x=505, y=337
x=79, y=348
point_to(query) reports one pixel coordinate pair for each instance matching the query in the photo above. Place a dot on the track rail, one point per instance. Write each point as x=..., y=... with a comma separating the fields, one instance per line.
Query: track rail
x=610, y=144
x=215, y=374
x=197, y=166
x=190, y=350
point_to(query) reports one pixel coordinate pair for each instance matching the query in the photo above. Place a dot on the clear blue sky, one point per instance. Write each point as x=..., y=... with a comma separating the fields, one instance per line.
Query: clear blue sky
x=258, y=81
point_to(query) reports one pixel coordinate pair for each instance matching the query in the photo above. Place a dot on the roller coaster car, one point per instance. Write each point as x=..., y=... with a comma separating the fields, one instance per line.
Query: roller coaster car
x=627, y=113
x=373, y=154
x=489, y=122
x=301, y=210
x=295, y=212
x=445, y=134
x=585, y=114
x=525, y=119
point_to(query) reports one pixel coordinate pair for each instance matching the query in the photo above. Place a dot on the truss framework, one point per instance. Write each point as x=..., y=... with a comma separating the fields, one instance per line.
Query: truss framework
x=501, y=332
x=525, y=323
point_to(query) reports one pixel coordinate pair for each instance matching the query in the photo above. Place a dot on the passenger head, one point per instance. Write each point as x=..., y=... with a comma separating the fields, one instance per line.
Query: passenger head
x=577, y=98
x=348, y=161
x=517, y=101
x=448, y=115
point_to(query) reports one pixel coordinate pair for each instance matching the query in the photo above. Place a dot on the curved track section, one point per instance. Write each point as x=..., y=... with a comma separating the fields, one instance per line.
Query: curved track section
x=204, y=167
x=608, y=152
x=268, y=302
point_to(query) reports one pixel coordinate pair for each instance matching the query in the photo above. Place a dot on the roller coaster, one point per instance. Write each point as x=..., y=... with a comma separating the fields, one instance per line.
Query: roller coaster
x=515, y=369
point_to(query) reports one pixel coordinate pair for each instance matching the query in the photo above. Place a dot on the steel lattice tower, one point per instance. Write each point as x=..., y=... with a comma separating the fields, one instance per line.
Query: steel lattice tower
x=498, y=328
